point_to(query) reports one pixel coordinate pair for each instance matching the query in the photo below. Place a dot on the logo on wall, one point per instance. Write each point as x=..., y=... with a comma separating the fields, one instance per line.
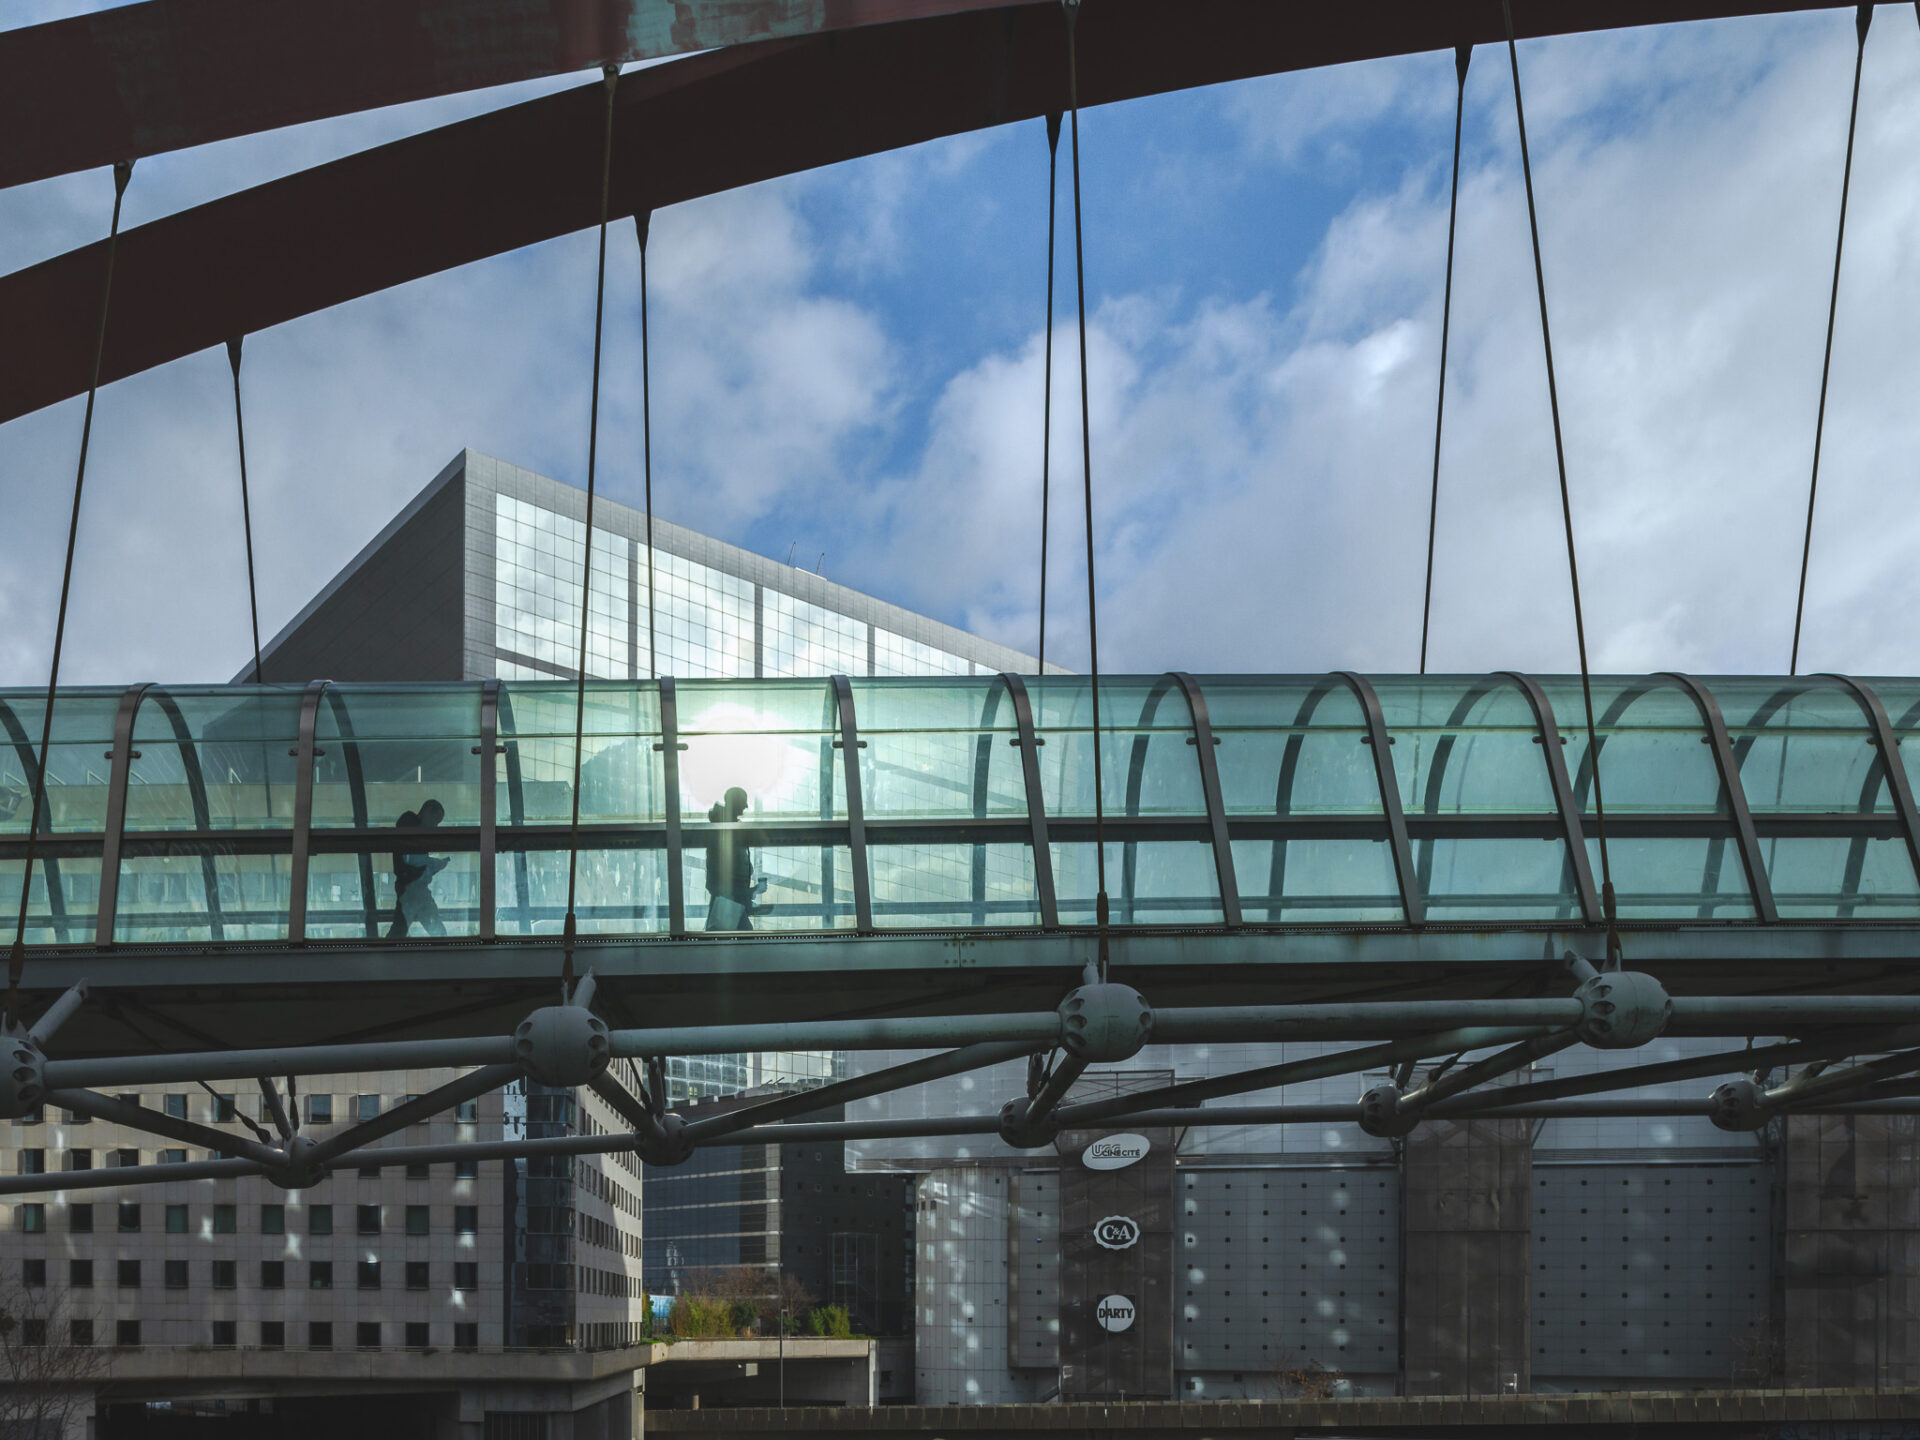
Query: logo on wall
x=1116, y=1152
x=1115, y=1313
x=1116, y=1232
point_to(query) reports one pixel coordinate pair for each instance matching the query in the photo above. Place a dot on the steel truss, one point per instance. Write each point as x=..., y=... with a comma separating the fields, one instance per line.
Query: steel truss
x=1096, y=1023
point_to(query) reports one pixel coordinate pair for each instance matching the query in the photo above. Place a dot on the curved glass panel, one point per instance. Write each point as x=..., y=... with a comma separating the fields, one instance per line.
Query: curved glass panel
x=1294, y=752
x=1656, y=760
x=391, y=762
x=1806, y=747
x=213, y=786
x=763, y=796
x=944, y=752
x=619, y=889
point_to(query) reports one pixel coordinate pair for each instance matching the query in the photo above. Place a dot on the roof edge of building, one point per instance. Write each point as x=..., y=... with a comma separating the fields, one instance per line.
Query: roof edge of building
x=456, y=466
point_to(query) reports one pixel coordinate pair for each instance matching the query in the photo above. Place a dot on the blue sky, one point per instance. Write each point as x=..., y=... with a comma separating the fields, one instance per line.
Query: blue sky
x=848, y=362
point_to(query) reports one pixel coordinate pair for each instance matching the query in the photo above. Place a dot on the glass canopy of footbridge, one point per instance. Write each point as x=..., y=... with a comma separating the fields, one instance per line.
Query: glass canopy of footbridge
x=208, y=815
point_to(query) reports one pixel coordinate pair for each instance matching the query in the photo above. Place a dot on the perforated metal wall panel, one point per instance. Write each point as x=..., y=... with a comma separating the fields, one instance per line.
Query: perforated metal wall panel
x=1648, y=1271
x=1033, y=1271
x=1281, y=1268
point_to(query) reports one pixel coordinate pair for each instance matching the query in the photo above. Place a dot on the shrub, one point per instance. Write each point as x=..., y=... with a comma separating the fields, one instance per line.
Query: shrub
x=696, y=1317
x=831, y=1322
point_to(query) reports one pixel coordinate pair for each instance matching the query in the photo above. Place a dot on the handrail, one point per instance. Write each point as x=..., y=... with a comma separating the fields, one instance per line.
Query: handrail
x=1203, y=744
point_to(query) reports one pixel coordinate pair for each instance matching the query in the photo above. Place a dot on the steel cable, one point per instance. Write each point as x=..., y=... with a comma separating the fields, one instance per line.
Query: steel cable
x=1863, y=17
x=1071, y=9
x=570, y=930
x=1046, y=385
x=17, y=956
x=1607, y=904
x=1462, y=56
x=246, y=506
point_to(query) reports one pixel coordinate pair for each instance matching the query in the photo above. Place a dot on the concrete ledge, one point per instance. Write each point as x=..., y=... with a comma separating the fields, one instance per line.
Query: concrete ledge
x=1641, y=1413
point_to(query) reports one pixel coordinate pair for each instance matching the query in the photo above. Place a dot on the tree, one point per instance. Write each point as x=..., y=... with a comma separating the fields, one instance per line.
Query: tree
x=46, y=1381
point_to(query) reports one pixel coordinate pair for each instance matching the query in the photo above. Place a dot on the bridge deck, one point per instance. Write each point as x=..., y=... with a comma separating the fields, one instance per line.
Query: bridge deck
x=237, y=847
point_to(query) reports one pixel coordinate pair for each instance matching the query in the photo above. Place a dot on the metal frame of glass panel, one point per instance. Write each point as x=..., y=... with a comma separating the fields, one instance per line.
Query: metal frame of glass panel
x=1162, y=817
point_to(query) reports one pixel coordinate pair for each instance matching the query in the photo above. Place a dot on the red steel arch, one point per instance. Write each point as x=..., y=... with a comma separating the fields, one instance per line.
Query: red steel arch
x=708, y=123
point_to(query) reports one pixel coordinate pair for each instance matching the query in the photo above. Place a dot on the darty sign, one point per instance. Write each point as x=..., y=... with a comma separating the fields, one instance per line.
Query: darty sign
x=1115, y=1314
x=1115, y=1152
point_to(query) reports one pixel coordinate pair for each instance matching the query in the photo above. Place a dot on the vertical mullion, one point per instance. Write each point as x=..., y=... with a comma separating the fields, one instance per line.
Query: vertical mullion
x=1896, y=772
x=1562, y=794
x=850, y=743
x=1203, y=742
x=1029, y=746
x=1759, y=885
x=1377, y=737
x=301, y=867
x=487, y=749
x=116, y=825
x=670, y=779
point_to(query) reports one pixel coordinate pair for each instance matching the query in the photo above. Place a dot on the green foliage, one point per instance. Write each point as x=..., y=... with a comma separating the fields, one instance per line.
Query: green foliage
x=743, y=1315
x=831, y=1322
x=697, y=1317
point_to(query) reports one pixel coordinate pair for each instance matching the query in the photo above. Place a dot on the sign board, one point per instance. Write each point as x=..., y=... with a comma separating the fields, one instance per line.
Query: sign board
x=1115, y=1314
x=1116, y=1232
x=1115, y=1152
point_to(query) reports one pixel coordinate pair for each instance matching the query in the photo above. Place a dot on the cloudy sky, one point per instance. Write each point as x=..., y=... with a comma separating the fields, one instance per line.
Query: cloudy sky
x=849, y=362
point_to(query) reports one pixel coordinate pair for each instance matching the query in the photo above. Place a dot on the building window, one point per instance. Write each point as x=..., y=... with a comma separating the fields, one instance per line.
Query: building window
x=224, y=1111
x=369, y=1172
x=33, y=1274
x=320, y=1220
x=369, y=1271
x=417, y=1170
x=80, y=1274
x=366, y=1334
x=273, y=1334
x=79, y=1159
x=466, y=1275
x=467, y=1112
x=320, y=1275
x=319, y=1335
x=80, y=1219
x=466, y=1335
x=418, y=1220
x=74, y=1117
x=416, y=1335
x=129, y=1218
x=80, y=1332
x=33, y=1218
x=366, y=1107
x=320, y=1109
x=35, y=1116
x=129, y=1274
x=466, y=1219
x=226, y=1219
x=273, y=1219
x=126, y=1157
x=226, y=1275
x=367, y=1219
x=225, y=1334
x=273, y=1274
x=417, y=1271
x=33, y=1162
x=175, y=1106
x=466, y=1169
x=33, y=1333
x=171, y=1157
x=176, y=1274
x=176, y=1219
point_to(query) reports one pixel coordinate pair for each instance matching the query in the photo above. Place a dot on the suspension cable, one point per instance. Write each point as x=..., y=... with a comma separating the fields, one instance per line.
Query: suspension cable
x=1863, y=17
x=1046, y=387
x=1462, y=56
x=643, y=222
x=1607, y=904
x=246, y=507
x=611, y=76
x=17, y=956
x=1072, y=11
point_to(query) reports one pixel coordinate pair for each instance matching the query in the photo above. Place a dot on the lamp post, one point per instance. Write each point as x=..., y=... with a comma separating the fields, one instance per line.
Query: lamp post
x=783, y=1356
